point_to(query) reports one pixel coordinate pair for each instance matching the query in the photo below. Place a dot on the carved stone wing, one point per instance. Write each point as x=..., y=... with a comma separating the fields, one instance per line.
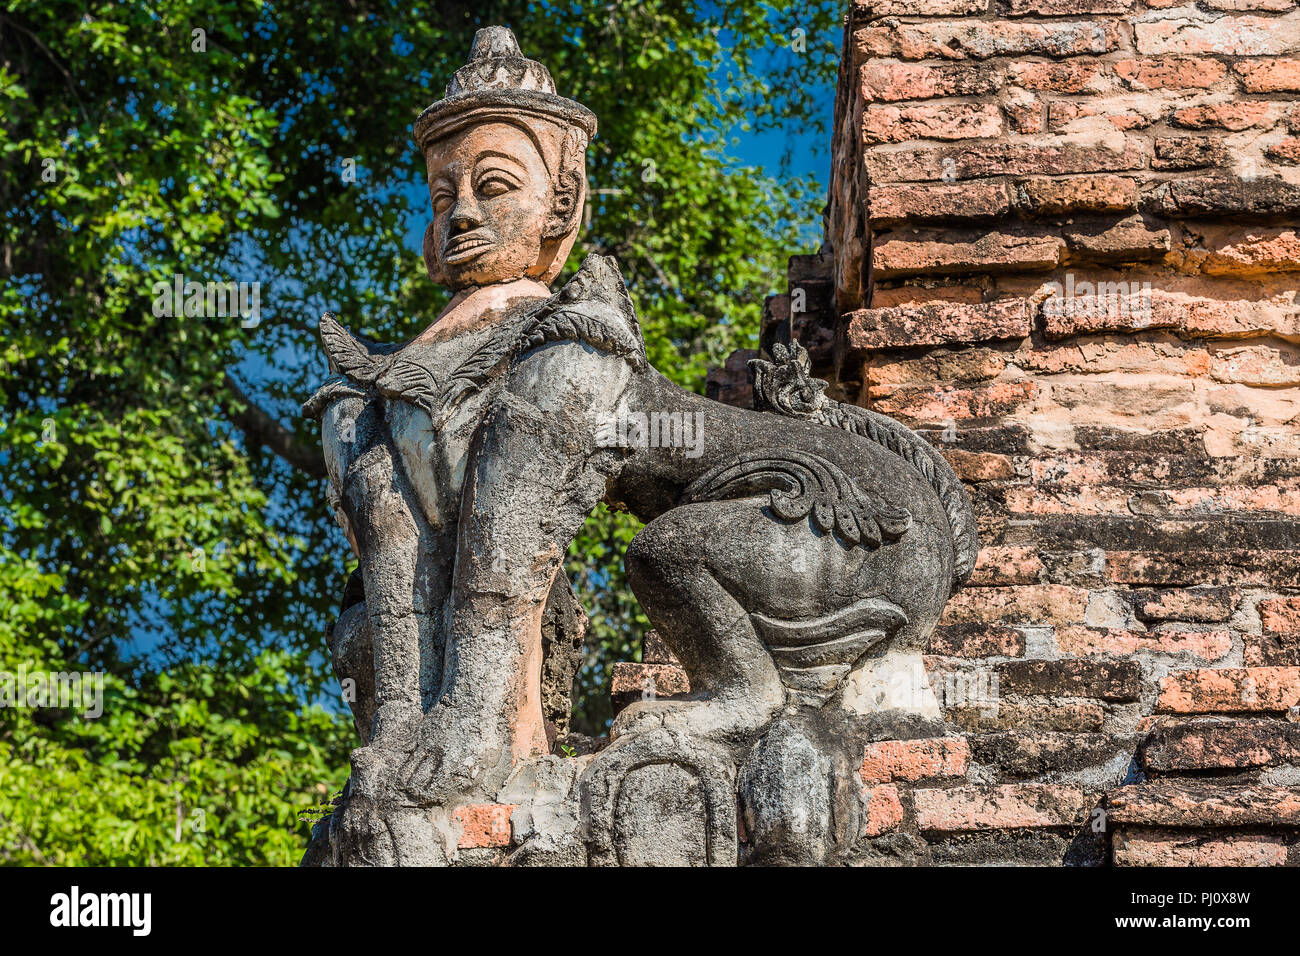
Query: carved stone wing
x=802, y=484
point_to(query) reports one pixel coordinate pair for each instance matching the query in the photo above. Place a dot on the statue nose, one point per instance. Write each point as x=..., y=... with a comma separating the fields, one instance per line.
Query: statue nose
x=465, y=215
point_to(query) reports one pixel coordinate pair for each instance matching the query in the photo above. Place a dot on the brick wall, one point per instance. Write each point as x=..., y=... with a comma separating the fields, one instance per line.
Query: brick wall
x=1061, y=243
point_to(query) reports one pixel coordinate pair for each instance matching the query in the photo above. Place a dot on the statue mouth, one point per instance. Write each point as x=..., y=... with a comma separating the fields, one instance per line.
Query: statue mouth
x=465, y=246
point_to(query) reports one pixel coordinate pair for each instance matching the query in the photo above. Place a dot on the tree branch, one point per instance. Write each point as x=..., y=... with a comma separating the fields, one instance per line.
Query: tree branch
x=260, y=427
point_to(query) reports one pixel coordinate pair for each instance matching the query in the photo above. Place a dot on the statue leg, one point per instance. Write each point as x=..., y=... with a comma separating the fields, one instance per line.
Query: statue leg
x=673, y=567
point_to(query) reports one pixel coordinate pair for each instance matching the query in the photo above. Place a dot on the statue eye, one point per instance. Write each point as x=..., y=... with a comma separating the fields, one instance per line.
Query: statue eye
x=495, y=186
x=442, y=202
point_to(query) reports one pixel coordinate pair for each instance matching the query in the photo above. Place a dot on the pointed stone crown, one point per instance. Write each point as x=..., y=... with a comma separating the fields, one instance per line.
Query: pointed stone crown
x=499, y=82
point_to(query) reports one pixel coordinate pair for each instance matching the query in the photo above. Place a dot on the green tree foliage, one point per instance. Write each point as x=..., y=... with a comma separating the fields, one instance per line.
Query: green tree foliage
x=163, y=519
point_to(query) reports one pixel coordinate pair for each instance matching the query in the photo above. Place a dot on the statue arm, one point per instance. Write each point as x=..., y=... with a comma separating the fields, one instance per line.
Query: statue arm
x=535, y=473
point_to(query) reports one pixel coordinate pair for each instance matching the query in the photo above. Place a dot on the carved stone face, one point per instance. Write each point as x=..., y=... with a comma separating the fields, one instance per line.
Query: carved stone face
x=492, y=197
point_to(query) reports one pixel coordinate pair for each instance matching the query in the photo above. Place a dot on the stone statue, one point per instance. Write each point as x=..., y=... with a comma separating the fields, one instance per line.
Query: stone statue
x=794, y=557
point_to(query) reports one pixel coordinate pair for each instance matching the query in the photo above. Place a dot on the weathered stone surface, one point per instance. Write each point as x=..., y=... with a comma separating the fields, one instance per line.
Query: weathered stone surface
x=1193, y=804
x=1221, y=745
x=1107, y=680
x=1230, y=690
x=1151, y=846
x=905, y=326
x=1001, y=808
x=912, y=760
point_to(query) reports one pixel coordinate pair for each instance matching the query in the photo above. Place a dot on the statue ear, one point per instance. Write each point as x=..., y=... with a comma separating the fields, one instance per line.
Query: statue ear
x=569, y=187
x=431, y=258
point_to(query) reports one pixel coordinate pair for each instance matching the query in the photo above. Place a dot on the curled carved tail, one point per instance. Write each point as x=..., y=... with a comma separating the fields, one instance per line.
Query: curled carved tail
x=787, y=388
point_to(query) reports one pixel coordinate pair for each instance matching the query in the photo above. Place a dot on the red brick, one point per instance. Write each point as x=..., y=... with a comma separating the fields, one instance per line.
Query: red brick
x=1201, y=605
x=1287, y=150
x=1177, y=72
x=1069, y=76
x=977, y=640
x=907, y=326
x=1221, y=745
x=1269, y=76
x=889, y=82
x=1105, y=680
x=929, y=404
x=1043, y=196
x=935, y=202
x=1281, y=615
x=1190, y=152
x=484, y=824
x=977, y=161
x=1230, y=690
x=981, y=40
x=897, y=124
x=1067, y=8
x=1209, y=568
x=1036, y=713
x=1145, y=846
x=1029, y=604
x=919, y=8
x=1227, y=36
x=889, y=760
x=1115, y=642
x=1182, y=804
x=1002, y=565
x=991, y=252
x=980, y=466
x=884, y=810
x=1010, y=806
x=1230, y=116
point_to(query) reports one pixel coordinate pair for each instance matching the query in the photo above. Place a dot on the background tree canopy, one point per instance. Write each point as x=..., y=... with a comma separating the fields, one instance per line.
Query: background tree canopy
x=163, y=519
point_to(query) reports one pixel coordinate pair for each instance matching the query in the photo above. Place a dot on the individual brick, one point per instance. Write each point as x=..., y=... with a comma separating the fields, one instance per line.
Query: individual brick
x=1067, y=76
x=1067, y=8
x=1210, y=568
x=1269, y=76
x=907, y=326
x=1147, y=846
x=1170, y=73
x=655, y=650
x=1190, y=152
x=1033, y=753
x=890, y=82
x=898, y=124
x=883, y=810
x=1009, y=806
x=920, y=8
x=484, y=824
x=984, y=39
x=1285, y=150
x=629, y=682
x=1229, y=690
x=1131, y=239
x=886, y=761
x=991, y=252
x=1001, y=565
x=981, y=466
x=1202, y=605
x=1272, y=650
x=1037, y=713
x=1233, y=116
x=977, y=640
x=981, y=160
x=1281, y=615
x=1207, y=646
x=938, y=202
x=928, y=404
x=1105, y=680
x=1220, y=745
x=1051, y=197
x=1227, y=197
x=1196, y=804
x=1200, y=33
x=1028, y=604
